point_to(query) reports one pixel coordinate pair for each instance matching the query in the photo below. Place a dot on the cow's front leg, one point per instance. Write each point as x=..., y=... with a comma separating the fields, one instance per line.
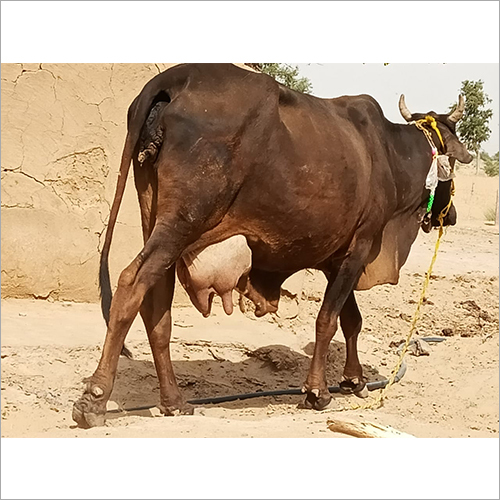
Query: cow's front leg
x=156, y=313
x=316, y=387
x=351, y=322
x=339, y=288
x=158, y=255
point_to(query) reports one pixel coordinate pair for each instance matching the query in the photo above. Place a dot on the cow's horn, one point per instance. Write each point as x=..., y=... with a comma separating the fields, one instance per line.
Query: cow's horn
x=405, y=112
x=459, y=111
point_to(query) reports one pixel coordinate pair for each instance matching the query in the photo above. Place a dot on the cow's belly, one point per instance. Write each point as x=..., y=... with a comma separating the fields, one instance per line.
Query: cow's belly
x=291, y=256
x=215, y=269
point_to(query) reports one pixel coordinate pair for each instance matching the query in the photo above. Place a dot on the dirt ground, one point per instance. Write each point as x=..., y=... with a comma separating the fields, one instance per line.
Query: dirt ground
x=48, y=348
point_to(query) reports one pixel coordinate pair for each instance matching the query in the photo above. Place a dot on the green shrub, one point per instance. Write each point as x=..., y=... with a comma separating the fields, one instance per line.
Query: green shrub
x=490, y=164
x=286, y=74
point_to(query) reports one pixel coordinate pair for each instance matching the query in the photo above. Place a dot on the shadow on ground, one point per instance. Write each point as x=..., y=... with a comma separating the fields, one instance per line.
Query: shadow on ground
x=268, y=368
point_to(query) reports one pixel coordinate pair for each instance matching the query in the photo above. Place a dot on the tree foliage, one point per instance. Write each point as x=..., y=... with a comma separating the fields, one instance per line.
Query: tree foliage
x=473, y=129
x=490, y=163
x=286, y=74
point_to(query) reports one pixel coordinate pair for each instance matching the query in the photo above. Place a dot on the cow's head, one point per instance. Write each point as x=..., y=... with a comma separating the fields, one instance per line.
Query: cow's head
x=450, y=147
x=446, y=124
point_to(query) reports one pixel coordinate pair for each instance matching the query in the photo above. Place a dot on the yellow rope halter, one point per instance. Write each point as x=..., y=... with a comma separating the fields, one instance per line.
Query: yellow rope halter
x=431, y=121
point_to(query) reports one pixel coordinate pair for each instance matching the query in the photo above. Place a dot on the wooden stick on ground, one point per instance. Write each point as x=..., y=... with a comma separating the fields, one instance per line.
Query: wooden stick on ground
x=365, y=429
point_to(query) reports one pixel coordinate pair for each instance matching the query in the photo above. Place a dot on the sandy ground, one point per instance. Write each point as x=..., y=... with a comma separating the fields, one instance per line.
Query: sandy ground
x=48, y=348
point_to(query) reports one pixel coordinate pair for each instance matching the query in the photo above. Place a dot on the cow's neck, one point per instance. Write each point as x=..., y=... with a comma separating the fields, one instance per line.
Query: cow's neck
x=411, y=160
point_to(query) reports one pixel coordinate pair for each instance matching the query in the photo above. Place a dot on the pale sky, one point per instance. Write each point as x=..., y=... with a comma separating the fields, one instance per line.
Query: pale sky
x=427, y=87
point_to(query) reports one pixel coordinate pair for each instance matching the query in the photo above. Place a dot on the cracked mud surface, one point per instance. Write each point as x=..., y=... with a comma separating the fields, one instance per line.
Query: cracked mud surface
x=63, y=127
x=49, y=348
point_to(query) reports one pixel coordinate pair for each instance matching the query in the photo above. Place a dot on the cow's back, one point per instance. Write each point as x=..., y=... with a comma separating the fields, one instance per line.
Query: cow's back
x=299, y=174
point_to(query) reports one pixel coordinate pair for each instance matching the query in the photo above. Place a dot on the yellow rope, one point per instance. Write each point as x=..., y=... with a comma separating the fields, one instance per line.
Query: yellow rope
x=378, y=402
x=429, y=120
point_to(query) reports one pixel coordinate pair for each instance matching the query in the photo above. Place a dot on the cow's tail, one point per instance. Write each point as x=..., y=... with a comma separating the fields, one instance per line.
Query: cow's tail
x=138, y=112
x=104, y=279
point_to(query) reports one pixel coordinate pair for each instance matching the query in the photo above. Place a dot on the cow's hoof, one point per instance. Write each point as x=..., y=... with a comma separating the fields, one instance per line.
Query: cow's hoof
x=355, y=386
x=179, y=409
x=90, y=410
x=87, y=412
x=316, y=399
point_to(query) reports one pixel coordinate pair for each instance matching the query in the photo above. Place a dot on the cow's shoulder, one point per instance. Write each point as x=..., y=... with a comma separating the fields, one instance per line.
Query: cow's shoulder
x=365, y=104
x=361, y=110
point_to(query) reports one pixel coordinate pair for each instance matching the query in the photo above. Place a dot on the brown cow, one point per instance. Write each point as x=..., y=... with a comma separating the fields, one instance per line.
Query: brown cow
x=220, y=152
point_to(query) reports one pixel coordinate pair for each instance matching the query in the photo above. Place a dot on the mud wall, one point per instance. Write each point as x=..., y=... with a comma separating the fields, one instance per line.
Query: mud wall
x=63, y=128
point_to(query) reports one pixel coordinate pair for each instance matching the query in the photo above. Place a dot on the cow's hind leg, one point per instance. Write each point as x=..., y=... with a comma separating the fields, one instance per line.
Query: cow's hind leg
x=337, y=292
x=158, y=255
x=156, y=314
x=157, y=305
x=351, y=321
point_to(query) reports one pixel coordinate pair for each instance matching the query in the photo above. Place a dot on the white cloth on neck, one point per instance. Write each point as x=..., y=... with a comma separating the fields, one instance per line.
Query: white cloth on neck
x=445, y=172
x=440, y=171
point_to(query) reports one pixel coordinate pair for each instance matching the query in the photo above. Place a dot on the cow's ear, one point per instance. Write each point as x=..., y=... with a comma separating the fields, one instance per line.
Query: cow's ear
x=454, y=148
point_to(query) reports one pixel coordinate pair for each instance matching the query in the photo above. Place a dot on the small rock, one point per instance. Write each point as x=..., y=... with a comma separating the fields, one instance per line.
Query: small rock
x=470, y=305
x=396, y=343
x=466, y=333
x=447, y=332
x=405, y=317
x=485, y=316
x=155, y=412
x=112, y=405
x=419, y=348
x=23, y=314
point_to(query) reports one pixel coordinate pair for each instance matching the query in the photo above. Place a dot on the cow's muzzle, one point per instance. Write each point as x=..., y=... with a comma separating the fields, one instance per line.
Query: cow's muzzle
x=431, y=220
